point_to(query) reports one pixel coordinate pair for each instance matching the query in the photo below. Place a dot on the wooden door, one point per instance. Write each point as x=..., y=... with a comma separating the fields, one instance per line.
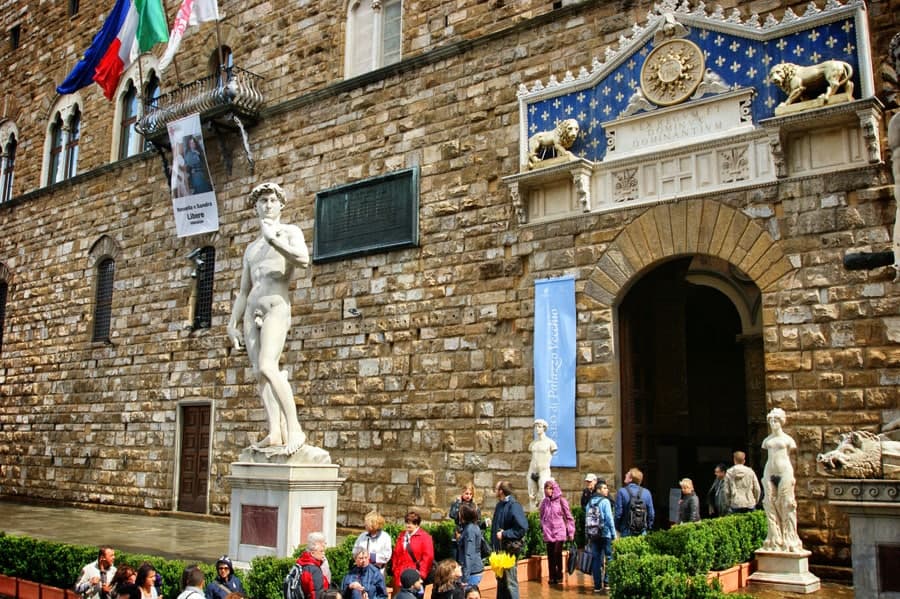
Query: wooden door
x=194, y=460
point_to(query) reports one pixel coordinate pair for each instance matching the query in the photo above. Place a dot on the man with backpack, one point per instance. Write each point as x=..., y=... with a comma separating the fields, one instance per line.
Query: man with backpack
x=600, y=530
x=634, y=506
x=306, y=580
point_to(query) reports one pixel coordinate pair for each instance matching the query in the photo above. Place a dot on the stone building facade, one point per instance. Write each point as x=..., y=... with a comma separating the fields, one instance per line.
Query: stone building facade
x=697, y=311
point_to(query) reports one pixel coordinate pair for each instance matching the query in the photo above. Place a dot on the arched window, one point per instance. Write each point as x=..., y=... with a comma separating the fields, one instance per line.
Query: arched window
x=72, y=143
x=204, y=272
x=128, y=136
x=56, y=150
x=373, y=36
x=7, y=168
x=106, y=270
x=152, y=92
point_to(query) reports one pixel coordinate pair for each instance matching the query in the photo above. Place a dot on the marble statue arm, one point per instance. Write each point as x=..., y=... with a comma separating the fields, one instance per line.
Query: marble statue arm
x=288, y=241
x=237, y=310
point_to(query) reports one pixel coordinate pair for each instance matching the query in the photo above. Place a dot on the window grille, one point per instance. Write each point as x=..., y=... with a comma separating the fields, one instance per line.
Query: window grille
x=206, y=266
x=106, y=270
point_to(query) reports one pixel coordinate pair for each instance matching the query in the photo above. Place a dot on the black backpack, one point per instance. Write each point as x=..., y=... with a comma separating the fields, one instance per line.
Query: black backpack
x=637, y=520
x=291, y=587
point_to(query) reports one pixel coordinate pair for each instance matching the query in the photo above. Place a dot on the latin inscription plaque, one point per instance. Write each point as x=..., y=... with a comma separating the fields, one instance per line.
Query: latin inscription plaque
x=312, y=519
x=365, y=217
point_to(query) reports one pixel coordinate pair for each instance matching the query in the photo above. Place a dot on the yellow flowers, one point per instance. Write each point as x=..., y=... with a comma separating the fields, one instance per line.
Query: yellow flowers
x=501, y=562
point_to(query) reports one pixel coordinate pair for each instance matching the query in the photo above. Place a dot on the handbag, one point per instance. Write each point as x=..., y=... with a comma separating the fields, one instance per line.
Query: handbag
x=585, y=561
x=572, y=560
x=513, y=546
x=485, y=549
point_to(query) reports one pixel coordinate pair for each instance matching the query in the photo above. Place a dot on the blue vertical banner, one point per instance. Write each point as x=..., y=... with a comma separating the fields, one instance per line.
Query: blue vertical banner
x=554, y=364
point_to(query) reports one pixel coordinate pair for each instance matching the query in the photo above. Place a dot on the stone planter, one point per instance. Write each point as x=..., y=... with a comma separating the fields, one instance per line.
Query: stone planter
x=28, y=590
x=747, y=568
x=729, y=580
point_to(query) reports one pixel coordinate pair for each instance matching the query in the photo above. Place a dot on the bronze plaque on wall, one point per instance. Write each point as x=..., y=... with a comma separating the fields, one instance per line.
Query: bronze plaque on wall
x=311, y=520
x=259, y=525
x=369, y=216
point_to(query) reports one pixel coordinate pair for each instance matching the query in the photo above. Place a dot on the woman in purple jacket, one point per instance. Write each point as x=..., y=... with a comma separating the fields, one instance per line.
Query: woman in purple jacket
x=558, y=526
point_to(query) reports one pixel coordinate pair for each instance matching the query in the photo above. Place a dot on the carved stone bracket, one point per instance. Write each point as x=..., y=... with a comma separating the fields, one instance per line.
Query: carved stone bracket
x=869, y=122
x=518, y=206
x=581, y=177
x=776, y=143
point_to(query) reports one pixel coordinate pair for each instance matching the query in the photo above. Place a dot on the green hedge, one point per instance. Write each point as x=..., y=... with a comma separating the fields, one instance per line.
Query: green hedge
x=672, y=564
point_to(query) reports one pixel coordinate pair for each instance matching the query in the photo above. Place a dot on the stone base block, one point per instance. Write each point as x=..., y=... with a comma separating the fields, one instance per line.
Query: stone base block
x=788, y=572
x=274, y=506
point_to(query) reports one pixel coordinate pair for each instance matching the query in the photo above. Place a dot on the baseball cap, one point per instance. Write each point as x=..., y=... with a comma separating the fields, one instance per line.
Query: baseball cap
x=591, y=477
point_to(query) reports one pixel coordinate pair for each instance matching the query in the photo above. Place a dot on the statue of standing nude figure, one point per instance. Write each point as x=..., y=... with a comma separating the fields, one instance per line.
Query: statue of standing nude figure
x=780, y=503
x=263, y=303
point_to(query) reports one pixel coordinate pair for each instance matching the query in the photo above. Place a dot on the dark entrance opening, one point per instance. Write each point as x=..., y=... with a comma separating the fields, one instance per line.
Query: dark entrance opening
x=685, y=391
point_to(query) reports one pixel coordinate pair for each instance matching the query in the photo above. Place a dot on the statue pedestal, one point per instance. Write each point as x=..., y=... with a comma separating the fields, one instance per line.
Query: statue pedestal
x=874, y=509
x=783, y=571
x=276, y=502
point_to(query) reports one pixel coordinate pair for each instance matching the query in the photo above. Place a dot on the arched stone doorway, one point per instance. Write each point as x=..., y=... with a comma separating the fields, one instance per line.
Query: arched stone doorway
x=716, y=258
x=689, y=343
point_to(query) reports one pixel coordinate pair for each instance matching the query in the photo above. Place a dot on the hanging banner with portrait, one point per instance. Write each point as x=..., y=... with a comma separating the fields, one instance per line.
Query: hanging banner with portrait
x=193, y=197
x=554, y=364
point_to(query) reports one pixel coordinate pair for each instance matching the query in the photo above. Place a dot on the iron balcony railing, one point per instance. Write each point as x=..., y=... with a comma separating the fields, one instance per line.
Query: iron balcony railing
x=237, y=95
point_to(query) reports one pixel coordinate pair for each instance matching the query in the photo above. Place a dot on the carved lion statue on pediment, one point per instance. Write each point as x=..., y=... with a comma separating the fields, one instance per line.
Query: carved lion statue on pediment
x=821, y=80
x=555, y=143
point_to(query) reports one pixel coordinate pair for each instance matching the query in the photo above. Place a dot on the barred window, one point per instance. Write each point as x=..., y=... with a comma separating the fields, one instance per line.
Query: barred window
x=206, y=266
x=106, y=270
x=374, y=35
x=4, y=289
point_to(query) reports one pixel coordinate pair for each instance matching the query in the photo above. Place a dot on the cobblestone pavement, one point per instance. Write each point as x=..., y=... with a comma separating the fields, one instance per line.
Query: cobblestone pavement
x=206, y=539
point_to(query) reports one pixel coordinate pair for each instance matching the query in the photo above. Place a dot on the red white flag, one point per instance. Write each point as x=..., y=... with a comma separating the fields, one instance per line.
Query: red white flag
x=192, y=12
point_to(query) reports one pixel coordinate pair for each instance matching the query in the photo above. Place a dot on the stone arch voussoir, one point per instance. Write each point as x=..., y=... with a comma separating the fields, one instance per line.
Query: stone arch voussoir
x=688, y=227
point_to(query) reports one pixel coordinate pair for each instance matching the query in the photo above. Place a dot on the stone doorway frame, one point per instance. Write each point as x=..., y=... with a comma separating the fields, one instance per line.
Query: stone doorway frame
x=670, y=230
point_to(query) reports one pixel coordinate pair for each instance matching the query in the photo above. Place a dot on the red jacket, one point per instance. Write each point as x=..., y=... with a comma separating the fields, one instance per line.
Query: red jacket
x=312, y=581
x=422, y=548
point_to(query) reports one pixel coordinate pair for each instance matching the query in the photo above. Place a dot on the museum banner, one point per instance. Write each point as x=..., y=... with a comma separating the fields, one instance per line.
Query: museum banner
x=554, y=364
x=193, y=197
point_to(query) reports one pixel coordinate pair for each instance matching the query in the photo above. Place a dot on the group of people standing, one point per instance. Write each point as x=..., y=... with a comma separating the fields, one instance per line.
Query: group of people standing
x=101, y=579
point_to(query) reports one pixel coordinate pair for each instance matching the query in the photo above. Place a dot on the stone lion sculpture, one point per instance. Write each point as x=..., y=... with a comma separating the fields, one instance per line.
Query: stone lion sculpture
x=803, y=83
x=862, y=454
x=555, y=143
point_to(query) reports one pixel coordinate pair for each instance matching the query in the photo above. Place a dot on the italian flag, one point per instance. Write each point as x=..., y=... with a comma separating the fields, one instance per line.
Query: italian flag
x=133, y=27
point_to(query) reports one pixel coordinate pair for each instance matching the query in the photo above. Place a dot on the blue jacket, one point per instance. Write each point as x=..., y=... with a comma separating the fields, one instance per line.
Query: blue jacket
x=371, y=579
x=623, y=499
x=606, y=516
x=468, y=550
x=510, y=518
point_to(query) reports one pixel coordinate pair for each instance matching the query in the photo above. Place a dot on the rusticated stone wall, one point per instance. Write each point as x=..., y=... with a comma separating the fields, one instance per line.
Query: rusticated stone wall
x=431, y=386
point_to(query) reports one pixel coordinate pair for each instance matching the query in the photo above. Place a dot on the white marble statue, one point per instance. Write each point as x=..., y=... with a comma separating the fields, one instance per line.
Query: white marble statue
x=554, y=144
x=263, y=304
x=780, y=503
x=804, y=82
x=894, y=145
x=542, y=449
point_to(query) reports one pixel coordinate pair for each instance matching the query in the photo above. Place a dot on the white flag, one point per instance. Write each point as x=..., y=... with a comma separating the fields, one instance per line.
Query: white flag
x=192, y=12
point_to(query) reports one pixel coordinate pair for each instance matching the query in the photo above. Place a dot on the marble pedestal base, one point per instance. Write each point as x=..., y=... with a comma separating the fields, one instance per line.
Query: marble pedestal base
x=274, y=506
x=783, y=571
x=874, y=509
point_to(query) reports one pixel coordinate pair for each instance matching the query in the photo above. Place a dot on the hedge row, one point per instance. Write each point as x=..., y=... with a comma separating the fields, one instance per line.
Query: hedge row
x=673, y=564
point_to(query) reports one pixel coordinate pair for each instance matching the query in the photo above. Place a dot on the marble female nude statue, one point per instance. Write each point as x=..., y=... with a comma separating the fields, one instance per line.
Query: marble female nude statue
x=780, y=503
x=263, y=304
